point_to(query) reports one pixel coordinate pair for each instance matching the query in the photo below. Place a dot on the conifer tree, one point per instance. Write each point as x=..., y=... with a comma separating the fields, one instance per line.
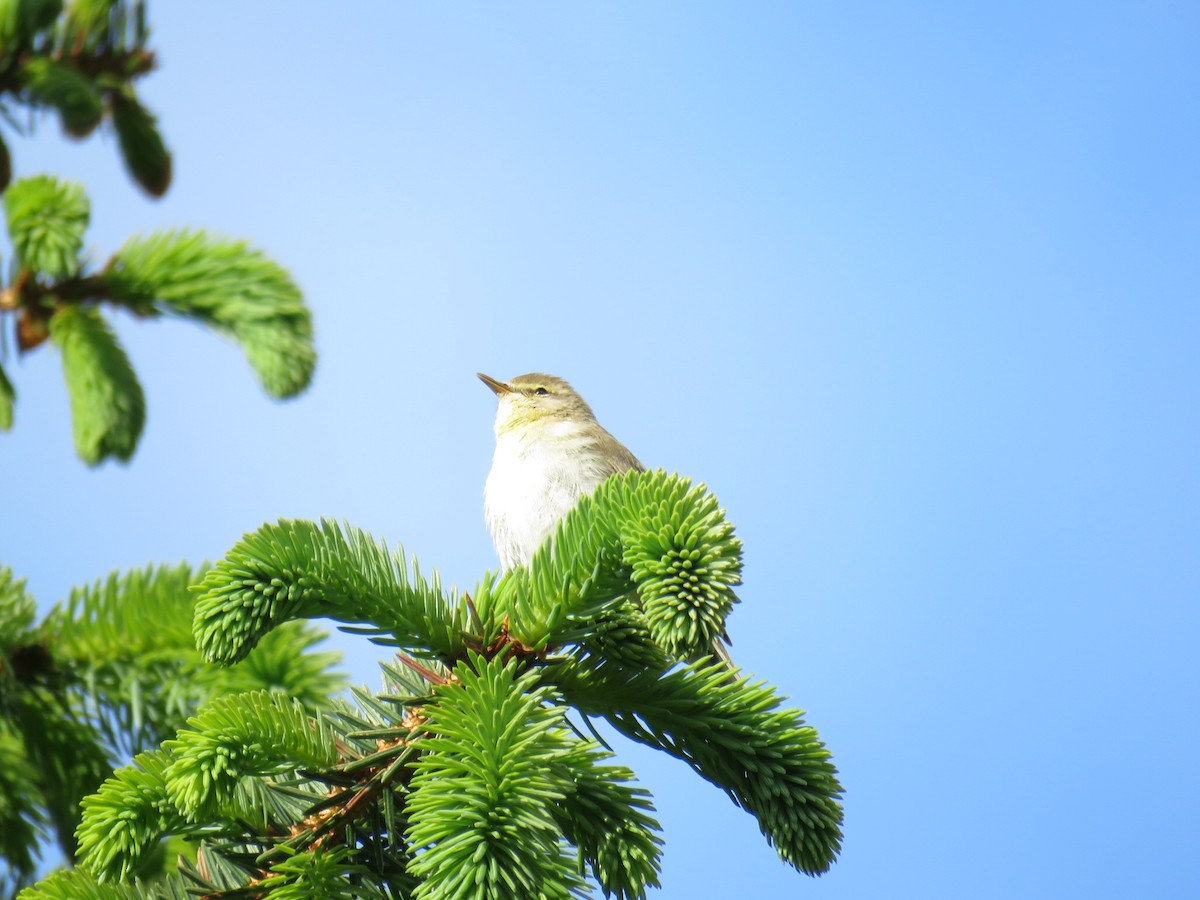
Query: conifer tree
x=477, y=771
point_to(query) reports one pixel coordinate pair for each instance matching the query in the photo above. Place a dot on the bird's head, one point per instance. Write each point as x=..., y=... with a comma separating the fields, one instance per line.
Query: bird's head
x=529, y=400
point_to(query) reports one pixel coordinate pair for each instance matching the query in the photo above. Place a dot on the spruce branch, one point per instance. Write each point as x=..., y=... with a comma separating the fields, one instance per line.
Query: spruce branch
x=240, y=736
x=734, y=734
x=237, y=764
x=142, y=148
x=91, y=17
x=611, y=824
x=50, y=83
x=133, y=614
x=5, y=166
x=465, y=778
x=330, y=875
x=283, y=661
x=128, y=642
x=624, y=636
x=298, y=569
x=21, y=21
x=110, y=33
x=46, y=221
x=684, y=557
x=223, y=284
x=652, y=533
x=108, y=408
x=83, y=64
x=482, y=803
x=67, y=761
x=228, y=286
x=124, y=820
x=22, y=817
x=103, y=675
x=76, y=884
x=17, y=613
x=8, y=398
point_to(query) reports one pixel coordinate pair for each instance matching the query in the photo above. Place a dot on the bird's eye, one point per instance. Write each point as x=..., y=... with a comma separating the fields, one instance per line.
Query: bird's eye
x=541, y=392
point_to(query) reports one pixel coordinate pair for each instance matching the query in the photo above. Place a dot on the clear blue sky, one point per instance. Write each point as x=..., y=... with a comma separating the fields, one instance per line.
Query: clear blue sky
x=912, y=288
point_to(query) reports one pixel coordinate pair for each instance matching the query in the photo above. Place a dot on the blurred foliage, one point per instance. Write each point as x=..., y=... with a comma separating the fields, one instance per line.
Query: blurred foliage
x=111, y=671
x=81, y=62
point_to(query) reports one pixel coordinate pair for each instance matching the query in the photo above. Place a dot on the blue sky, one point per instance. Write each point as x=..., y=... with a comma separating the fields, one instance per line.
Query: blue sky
x=912, y=289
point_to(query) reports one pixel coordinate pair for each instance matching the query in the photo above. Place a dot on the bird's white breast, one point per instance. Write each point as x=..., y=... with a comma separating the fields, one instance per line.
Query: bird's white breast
x=534, y=483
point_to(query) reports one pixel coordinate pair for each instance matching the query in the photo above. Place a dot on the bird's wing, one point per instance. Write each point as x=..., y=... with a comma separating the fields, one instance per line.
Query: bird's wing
x=617, y=457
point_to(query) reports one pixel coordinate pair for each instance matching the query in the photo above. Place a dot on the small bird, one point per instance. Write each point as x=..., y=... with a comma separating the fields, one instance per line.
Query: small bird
x=550, y=451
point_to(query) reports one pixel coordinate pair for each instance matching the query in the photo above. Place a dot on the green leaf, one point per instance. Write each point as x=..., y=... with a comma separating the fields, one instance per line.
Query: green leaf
x=226, y=285
x=108, y=408
x=63, y=88
x=46, y=221
x=8, y=398
x=146, y=156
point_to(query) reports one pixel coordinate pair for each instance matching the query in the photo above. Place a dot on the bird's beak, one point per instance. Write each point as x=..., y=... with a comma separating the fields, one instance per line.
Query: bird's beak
x=498, y=387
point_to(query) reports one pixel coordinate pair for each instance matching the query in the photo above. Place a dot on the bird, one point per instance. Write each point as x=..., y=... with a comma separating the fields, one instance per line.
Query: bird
x=550, y=452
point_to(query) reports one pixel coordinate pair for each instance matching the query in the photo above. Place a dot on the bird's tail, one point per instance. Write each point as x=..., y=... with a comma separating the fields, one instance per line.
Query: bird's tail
x=720, y=651
x=717, y=653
